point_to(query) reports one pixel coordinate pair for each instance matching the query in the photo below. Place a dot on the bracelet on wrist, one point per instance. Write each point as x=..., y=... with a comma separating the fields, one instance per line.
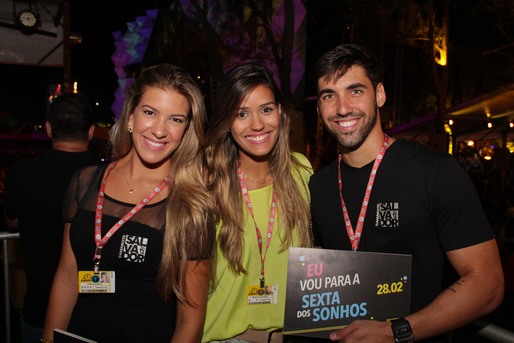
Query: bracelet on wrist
x=42, y=340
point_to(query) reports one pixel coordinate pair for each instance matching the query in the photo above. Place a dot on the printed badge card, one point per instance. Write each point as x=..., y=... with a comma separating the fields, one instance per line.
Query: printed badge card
x=101, y=282
x=328, y=289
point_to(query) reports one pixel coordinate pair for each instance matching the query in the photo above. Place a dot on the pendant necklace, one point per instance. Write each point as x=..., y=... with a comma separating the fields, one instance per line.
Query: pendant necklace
x=131, y=189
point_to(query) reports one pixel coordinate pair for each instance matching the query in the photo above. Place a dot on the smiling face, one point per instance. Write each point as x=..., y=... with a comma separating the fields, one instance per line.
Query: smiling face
x=349, y=107
x=256, y=125
x=158, y=122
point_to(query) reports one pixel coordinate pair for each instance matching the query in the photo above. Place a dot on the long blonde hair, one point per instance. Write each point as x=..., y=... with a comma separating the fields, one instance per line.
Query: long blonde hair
x=189, y=222
x=221, y=157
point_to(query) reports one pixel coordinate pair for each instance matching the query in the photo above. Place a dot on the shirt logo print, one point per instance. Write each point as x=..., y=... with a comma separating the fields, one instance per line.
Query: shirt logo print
x=388, y=215
x=133, y=248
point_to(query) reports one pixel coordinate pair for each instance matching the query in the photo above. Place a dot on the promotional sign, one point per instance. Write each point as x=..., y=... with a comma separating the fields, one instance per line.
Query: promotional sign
x=329, y=289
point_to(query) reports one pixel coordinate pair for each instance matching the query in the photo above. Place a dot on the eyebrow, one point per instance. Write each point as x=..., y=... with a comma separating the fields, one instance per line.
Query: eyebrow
x=349, y=87
x=150, y=107
x=325, y=91
x=187, y=115
x=261, y=105
x=356, y=85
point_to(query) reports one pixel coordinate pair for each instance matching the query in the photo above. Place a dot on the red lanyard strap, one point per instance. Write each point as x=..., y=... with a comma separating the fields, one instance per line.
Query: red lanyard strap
x=271, y=221
x=355, y=236
x=102, y=241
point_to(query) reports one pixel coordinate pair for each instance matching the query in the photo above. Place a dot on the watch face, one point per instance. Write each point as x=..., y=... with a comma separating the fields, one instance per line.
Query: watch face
x=27, y=18
x=402, y=331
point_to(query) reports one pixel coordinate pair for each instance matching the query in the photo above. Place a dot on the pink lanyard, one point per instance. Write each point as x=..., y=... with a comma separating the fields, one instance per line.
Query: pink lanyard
x=101, y=241
x=355, y=237
x=271, y=222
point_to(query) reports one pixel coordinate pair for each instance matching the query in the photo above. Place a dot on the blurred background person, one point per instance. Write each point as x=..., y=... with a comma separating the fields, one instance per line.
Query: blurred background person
x=34, y=194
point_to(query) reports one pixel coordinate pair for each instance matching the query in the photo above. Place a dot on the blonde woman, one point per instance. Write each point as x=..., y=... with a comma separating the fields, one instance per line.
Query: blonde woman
x=144, y=220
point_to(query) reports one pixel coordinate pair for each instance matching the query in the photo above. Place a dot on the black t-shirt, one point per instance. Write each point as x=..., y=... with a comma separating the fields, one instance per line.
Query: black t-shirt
x=135, y=312
x=422, y=204
x=34, y=193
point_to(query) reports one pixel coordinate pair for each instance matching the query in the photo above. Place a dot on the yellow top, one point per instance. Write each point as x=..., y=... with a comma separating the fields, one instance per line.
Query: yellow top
x=228, y=310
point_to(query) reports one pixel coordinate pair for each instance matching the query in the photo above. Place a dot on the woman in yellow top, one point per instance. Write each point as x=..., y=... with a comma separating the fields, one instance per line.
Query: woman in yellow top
x=260, y=189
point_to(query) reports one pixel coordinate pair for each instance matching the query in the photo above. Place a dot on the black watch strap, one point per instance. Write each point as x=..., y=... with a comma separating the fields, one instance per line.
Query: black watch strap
x=402, y=331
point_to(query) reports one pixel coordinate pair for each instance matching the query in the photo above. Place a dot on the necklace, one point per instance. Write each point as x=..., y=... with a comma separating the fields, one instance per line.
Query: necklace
x=132, y=190
x=259, y=182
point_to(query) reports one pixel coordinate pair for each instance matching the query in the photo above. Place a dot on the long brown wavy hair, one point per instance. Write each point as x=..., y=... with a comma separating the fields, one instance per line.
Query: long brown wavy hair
x=221, y=156
x=189, y=221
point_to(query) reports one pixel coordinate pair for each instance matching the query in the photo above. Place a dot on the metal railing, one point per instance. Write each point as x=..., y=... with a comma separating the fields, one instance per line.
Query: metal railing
x=493, y=332
x=5, y=236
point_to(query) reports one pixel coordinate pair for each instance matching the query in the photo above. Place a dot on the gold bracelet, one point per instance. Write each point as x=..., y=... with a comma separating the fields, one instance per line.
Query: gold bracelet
x=42, y=340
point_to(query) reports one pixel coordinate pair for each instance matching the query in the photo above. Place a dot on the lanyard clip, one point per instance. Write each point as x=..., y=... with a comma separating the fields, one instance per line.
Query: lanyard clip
x=98, y=252
x=96, y=259
x=96, y=266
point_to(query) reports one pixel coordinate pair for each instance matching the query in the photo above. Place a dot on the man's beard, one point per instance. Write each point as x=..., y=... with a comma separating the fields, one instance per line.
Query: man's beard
x=352, y=141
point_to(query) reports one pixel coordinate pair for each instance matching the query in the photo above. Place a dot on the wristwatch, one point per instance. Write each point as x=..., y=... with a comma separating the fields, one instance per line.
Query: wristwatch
x=402, y=331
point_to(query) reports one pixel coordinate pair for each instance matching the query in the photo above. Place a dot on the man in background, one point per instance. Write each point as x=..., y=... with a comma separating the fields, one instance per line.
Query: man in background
x=34, y=192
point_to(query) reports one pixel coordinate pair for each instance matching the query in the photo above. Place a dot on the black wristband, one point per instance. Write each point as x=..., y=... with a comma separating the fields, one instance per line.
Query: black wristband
x=402, y=331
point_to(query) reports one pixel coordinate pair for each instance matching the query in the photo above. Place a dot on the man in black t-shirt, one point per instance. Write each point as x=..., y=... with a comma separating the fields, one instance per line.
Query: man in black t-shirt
x=34, y=192
x=393, y=196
